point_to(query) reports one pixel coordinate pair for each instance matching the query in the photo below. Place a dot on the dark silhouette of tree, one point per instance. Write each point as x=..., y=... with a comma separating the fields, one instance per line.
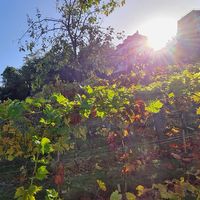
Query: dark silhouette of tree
x=14, y=85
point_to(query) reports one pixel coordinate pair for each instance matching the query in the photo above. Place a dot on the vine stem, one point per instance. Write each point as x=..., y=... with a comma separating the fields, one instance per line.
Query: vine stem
x=35, y=167
x=184, y=132
x=124, y=175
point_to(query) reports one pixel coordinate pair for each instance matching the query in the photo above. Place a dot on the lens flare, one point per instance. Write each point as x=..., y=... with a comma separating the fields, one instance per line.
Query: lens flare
x=159, y=31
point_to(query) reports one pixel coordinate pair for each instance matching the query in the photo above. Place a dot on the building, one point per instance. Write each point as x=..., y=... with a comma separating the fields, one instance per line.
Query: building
x=185, y=48
x=188, y=36
x=133, y=51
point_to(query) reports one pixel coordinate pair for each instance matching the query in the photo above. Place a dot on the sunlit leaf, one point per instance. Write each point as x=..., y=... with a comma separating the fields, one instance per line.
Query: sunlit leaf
x=88, y=89
x=46, y=147
x=52, y=194
x=101, y=185
x=41, y=173
x=116, y=196
x=61, y=99
x=140, y=189
x=198, y=111
x=171, y=95
x=154, y=106
x=130, y=196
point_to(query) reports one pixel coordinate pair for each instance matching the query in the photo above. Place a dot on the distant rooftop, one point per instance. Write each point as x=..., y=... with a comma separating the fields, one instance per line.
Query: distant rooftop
x=136, y=37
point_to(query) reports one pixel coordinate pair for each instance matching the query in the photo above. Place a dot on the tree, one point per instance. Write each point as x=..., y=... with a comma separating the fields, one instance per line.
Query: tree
x=77, y=22
x=105, y=6
x=69, y=47
x=73, y=40
x=14, y=85
x=72, y=27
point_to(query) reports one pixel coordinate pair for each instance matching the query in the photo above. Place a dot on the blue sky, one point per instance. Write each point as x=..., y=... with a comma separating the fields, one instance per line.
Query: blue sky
x=13, y=23
x=129, y=18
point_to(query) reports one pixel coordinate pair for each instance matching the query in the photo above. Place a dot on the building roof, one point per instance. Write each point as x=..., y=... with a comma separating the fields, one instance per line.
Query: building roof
x=132, y=39
x=190, y=14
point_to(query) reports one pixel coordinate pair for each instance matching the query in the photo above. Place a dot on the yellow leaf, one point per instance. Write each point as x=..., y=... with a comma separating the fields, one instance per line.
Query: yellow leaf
x=101, y=185
x=198, y=111
x=196, y=97
x=125, y=133
x=130, y=196
x=140, y=189
x=175, y=130
x=171, y=95
x=182, y=180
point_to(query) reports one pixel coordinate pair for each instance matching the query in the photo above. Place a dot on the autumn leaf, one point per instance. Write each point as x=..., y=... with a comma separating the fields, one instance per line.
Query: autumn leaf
x=198, y=111
x=130, y=196
x=125, y=133
x=101, y=185
x=140, y=189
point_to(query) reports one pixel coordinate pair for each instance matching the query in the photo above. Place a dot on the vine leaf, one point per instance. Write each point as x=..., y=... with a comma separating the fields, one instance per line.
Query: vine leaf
x=171, y=95
x=27, y=194
x=130, y=196
x=140, y=190
x=61, y=99
x=101, y=185
x=198, y=111
x=154, y=106
x=41, y=173
x=51, y=194
x=115, y=196
x=46, y=146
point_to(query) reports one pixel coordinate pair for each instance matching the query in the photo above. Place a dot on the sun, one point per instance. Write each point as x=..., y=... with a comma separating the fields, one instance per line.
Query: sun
x=159, y=31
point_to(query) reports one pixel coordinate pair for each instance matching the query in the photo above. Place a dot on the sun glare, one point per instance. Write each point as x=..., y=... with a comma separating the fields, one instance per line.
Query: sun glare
x=159, y=31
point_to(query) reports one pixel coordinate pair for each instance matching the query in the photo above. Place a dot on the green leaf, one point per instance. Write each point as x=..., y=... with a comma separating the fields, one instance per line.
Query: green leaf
x=111, y=94
x=10, y=157
x=27, y=194
x=115, y=196
x=29, y=100
x=100, y=114
x=15, y=109
x=51, y=194
x=61, y=99
x=46, y=147
x=43, y=121
x=41, y=173
x=154, y=106
x=88, y=89
x=171, y=95
x=37, y=102
x=33, y=189
x=19, y=192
